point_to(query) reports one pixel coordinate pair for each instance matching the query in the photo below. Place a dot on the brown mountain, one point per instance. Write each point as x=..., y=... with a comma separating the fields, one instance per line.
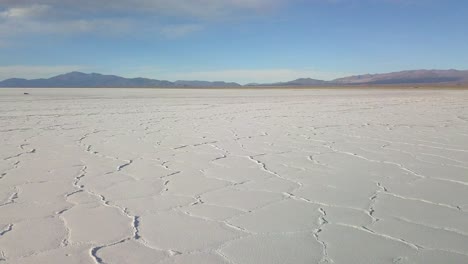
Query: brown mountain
x=407, y=77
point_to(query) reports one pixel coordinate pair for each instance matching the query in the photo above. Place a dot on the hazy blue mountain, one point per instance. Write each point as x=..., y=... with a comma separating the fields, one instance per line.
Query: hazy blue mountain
x=297, y=82
x=304, y=81
x=79, y=79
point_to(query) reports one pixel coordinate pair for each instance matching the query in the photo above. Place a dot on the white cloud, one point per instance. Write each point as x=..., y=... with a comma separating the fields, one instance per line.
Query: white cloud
x=103, y=27
x=196, y=8
x=25, y=12
x=31, y=72
x=47, y=19
x=23, y=18
x=39, y=18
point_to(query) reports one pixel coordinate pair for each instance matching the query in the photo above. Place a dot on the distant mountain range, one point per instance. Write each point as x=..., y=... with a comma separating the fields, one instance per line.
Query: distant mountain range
x=79, y=79
x=83, y=80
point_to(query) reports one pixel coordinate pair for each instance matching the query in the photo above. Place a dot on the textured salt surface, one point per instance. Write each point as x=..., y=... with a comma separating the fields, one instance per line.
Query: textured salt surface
x=233, y=176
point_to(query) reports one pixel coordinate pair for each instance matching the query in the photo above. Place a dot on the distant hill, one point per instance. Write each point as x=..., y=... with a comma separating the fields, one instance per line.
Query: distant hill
x=79, y=79
x=297, y=82
x=205, y=84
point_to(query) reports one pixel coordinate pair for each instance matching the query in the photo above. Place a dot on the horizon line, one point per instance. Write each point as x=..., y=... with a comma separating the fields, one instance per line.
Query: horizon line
x=234, y=82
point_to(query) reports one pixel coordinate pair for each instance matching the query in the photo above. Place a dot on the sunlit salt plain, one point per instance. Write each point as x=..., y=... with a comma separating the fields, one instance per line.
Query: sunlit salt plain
x=233, y=176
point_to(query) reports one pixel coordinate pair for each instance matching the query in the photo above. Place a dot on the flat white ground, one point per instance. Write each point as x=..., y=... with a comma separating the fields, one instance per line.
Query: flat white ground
x=233, y=176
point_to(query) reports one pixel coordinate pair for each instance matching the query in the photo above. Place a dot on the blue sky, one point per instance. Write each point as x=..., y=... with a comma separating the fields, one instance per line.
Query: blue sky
x=231, y=40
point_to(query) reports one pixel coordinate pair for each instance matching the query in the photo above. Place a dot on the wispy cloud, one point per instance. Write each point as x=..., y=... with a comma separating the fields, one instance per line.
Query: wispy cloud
x=196, y=8
x=23, y=17
x=104, y=26
x=25, y=12
x=39, y=19
x=38, y=71
x=3, y=43
x=18, y=27
x=177, y=31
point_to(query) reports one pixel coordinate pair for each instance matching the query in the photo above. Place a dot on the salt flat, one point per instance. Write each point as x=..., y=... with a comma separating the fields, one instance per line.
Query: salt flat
x=233, y=176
